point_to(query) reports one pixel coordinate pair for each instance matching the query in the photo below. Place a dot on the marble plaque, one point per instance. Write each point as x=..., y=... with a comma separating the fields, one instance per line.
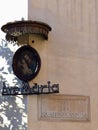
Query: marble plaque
x=63, y=108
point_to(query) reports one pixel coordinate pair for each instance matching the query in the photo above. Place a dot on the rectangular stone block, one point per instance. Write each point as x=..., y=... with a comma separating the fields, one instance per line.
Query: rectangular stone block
x=63, y=108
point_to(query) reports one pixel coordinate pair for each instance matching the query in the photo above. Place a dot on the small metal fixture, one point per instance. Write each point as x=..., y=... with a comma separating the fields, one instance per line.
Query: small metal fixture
x=23, y=29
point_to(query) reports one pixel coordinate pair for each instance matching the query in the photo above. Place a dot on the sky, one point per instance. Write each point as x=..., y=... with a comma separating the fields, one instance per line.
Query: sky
x=11, y=10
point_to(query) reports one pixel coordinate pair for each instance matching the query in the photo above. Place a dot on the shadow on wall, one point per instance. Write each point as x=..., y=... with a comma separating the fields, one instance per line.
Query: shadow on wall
x=13, y=109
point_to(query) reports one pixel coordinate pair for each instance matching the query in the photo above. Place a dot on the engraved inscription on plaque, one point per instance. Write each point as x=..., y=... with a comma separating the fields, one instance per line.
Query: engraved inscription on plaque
x=63, y=108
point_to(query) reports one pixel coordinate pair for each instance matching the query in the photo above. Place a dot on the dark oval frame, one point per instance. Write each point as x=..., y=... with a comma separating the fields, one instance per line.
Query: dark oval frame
x=26, y=63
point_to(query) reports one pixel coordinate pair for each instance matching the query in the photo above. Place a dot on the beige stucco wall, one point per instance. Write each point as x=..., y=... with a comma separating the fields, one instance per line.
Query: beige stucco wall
x=69, y=57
